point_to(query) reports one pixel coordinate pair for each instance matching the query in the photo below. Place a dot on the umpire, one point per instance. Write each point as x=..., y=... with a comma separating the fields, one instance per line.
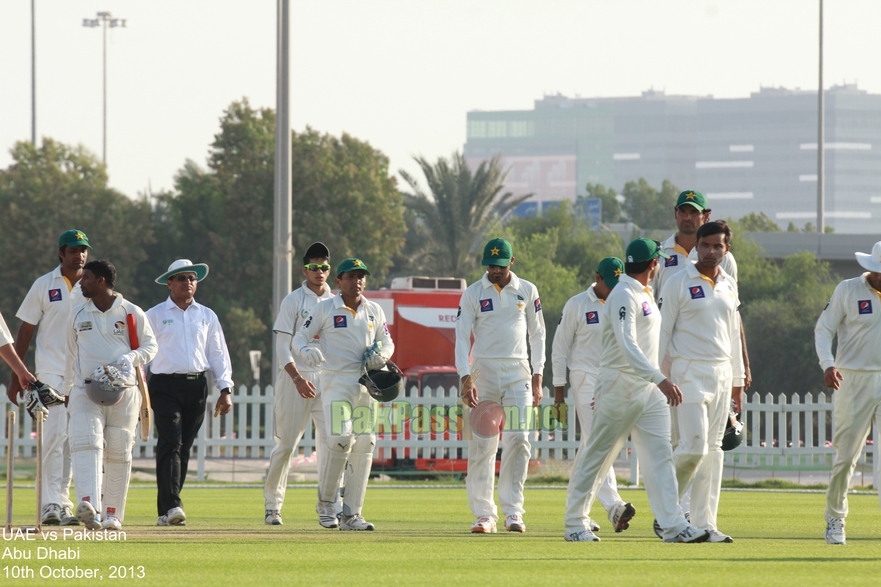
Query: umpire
x=190, y=343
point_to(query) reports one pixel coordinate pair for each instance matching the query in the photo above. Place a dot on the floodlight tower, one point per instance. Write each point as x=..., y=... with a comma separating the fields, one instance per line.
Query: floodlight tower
x=104, y=20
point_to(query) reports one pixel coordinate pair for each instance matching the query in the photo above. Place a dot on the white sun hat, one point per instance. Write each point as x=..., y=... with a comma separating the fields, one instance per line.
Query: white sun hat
x=184, y=266
x=871, y=262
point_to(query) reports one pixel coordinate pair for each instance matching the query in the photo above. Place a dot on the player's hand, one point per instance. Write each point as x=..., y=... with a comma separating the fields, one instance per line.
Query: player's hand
x=561, y=411
x=305, y=388
x=748, y=379
x=469, y=392
x=737, y=398
x=14, y=389
x=537, y=390
x=375, y=362
x=126, y=366
x=311, y=356
x=671, y=392
x=831, y=377
x=224, y=403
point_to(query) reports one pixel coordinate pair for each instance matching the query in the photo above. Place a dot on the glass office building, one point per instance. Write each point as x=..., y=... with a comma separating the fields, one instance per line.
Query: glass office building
x=756, y=154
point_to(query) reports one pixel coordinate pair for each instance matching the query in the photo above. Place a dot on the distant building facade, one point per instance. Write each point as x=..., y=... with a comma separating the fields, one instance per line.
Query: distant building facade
x=756, y=154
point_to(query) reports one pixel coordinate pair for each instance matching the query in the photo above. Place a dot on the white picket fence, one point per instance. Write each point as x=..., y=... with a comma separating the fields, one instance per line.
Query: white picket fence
x=780, y=435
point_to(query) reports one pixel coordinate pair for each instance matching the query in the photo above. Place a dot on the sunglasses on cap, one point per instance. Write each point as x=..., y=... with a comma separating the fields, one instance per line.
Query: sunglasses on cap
x=317, y=267
x=181, y=277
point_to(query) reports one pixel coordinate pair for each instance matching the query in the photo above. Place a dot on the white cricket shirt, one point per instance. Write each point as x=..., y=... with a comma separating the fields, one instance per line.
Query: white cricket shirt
x=5, y=335
x=679, y=260
x=344, y=334
x=700, y=321
x=578, y=341
x=854, y=313
x=48, y=306
x=292, y=314
x=501, y=320
x=632, y=331
x=189, y=341
x=96, y=338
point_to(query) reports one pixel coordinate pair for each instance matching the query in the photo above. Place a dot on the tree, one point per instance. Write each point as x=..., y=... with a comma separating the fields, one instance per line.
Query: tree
x=756, y=222
x=649, y=208
x=448, y=223
x=611, y=206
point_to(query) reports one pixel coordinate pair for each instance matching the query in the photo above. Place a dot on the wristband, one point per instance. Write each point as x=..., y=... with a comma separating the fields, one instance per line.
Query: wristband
x=297, y=378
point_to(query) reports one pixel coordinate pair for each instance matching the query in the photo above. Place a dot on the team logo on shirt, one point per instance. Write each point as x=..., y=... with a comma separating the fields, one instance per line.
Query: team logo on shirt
x=385, y=329
x=84, y=326
x=168, y=321
x=537, y=305
x=592, y=318
x=340, y=322
x=673, y=261
x=486, y=305
x=646, y=309
x=118, y=327
x=865, y=306
x=54, y=295
x=696, y=292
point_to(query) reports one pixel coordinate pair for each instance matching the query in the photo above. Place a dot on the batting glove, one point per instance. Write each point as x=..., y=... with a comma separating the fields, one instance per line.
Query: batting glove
x=311, y=356
x=126, y=366
x=375, y=362
x=39, y=398
x=109, y=374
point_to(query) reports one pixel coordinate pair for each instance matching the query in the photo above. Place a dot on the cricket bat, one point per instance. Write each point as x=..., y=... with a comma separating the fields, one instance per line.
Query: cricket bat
x=144, y=415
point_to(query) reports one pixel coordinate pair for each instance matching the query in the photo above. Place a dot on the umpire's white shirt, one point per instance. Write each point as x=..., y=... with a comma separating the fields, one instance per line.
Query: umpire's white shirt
x=48, y=305
x=578, y=341
x=632, y=331
x=854, y=313
x=96, y=338
x=190, y=341
x=679, y=260
x=699, y=319
x=501, y=319
x=345, y=334
x=292, y=314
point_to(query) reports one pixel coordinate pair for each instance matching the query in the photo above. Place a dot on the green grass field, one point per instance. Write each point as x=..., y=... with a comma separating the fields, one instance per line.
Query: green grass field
x=423, y=538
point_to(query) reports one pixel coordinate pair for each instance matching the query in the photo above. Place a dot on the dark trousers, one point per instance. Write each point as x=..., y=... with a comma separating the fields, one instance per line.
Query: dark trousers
x=178, y=410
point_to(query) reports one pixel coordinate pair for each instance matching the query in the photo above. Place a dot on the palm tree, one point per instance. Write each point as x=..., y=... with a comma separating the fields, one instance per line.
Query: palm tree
x=448, y=224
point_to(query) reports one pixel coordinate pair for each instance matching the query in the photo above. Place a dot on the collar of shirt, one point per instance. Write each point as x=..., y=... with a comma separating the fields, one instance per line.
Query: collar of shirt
x=338, y=303
x=695, y=273
x=56, y=274
x=91, y=307
x=307, y=291
x=170, y=305
x=671, y=244
x=592, y=294
x=513, y=284
x=865, y=278
x=635, y=284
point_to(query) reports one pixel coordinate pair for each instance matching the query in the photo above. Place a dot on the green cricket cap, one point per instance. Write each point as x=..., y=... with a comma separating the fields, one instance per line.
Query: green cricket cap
x=73, y=238
x=696, y=199
x=352, y=264
x=497, y=252
x=610, y=269
x=643, y=249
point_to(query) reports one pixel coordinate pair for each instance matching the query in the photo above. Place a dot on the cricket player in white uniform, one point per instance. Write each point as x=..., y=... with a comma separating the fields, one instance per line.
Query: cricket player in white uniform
x=578, y=344
x=100, y=367
x=854, y=314
x=47, y=306
x=297, y=401
x=351, y=330
x=8, y=353
x=700, y=331
x=631, y=400
x=502, y=311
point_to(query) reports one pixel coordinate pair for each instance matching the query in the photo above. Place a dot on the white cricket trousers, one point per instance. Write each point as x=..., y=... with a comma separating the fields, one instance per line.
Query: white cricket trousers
x=583, y=388
x=292, y=415
x=855, y=405
x=101, y=441
x=508, y=383
x=626, y=405
x=701, y=419
x=56, y=449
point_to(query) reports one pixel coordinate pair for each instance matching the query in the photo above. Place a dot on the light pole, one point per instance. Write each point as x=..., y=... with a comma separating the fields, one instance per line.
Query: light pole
x=105, y=19
x=821, y=142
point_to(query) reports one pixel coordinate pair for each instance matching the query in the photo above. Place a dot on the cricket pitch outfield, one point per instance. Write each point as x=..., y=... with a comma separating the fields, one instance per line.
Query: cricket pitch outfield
x=423, y=539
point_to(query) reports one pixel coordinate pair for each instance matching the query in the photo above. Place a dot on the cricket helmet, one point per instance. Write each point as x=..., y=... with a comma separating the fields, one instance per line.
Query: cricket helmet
x=733, y=433
x=382, y=385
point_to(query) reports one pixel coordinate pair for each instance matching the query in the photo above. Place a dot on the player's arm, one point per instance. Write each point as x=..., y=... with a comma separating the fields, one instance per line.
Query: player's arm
x=670, y=305
x=310, y=354
x=217, y=354
x=71, y=355
x=22, y=375
x=827, y=325
x=537, y=333
x=737, y=368
x=464, y=325
x=383, y=336
x=22, y=344
x=562, y=345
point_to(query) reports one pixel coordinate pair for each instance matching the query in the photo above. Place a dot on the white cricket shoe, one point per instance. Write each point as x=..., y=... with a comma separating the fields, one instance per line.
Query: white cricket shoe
x=85, y=513
x=594, y=527
x=659, y=532
x=176, y=517
x=355, y=522
x=327, y=517
x=835, y=530
x=272, y=518
x=68, y=518
x=690, y=535
x=111, y=523
x=621, y=515
x=483, y=526
x=716, y=536
x=52, y=513
x=581, y=536
x=515, y=523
